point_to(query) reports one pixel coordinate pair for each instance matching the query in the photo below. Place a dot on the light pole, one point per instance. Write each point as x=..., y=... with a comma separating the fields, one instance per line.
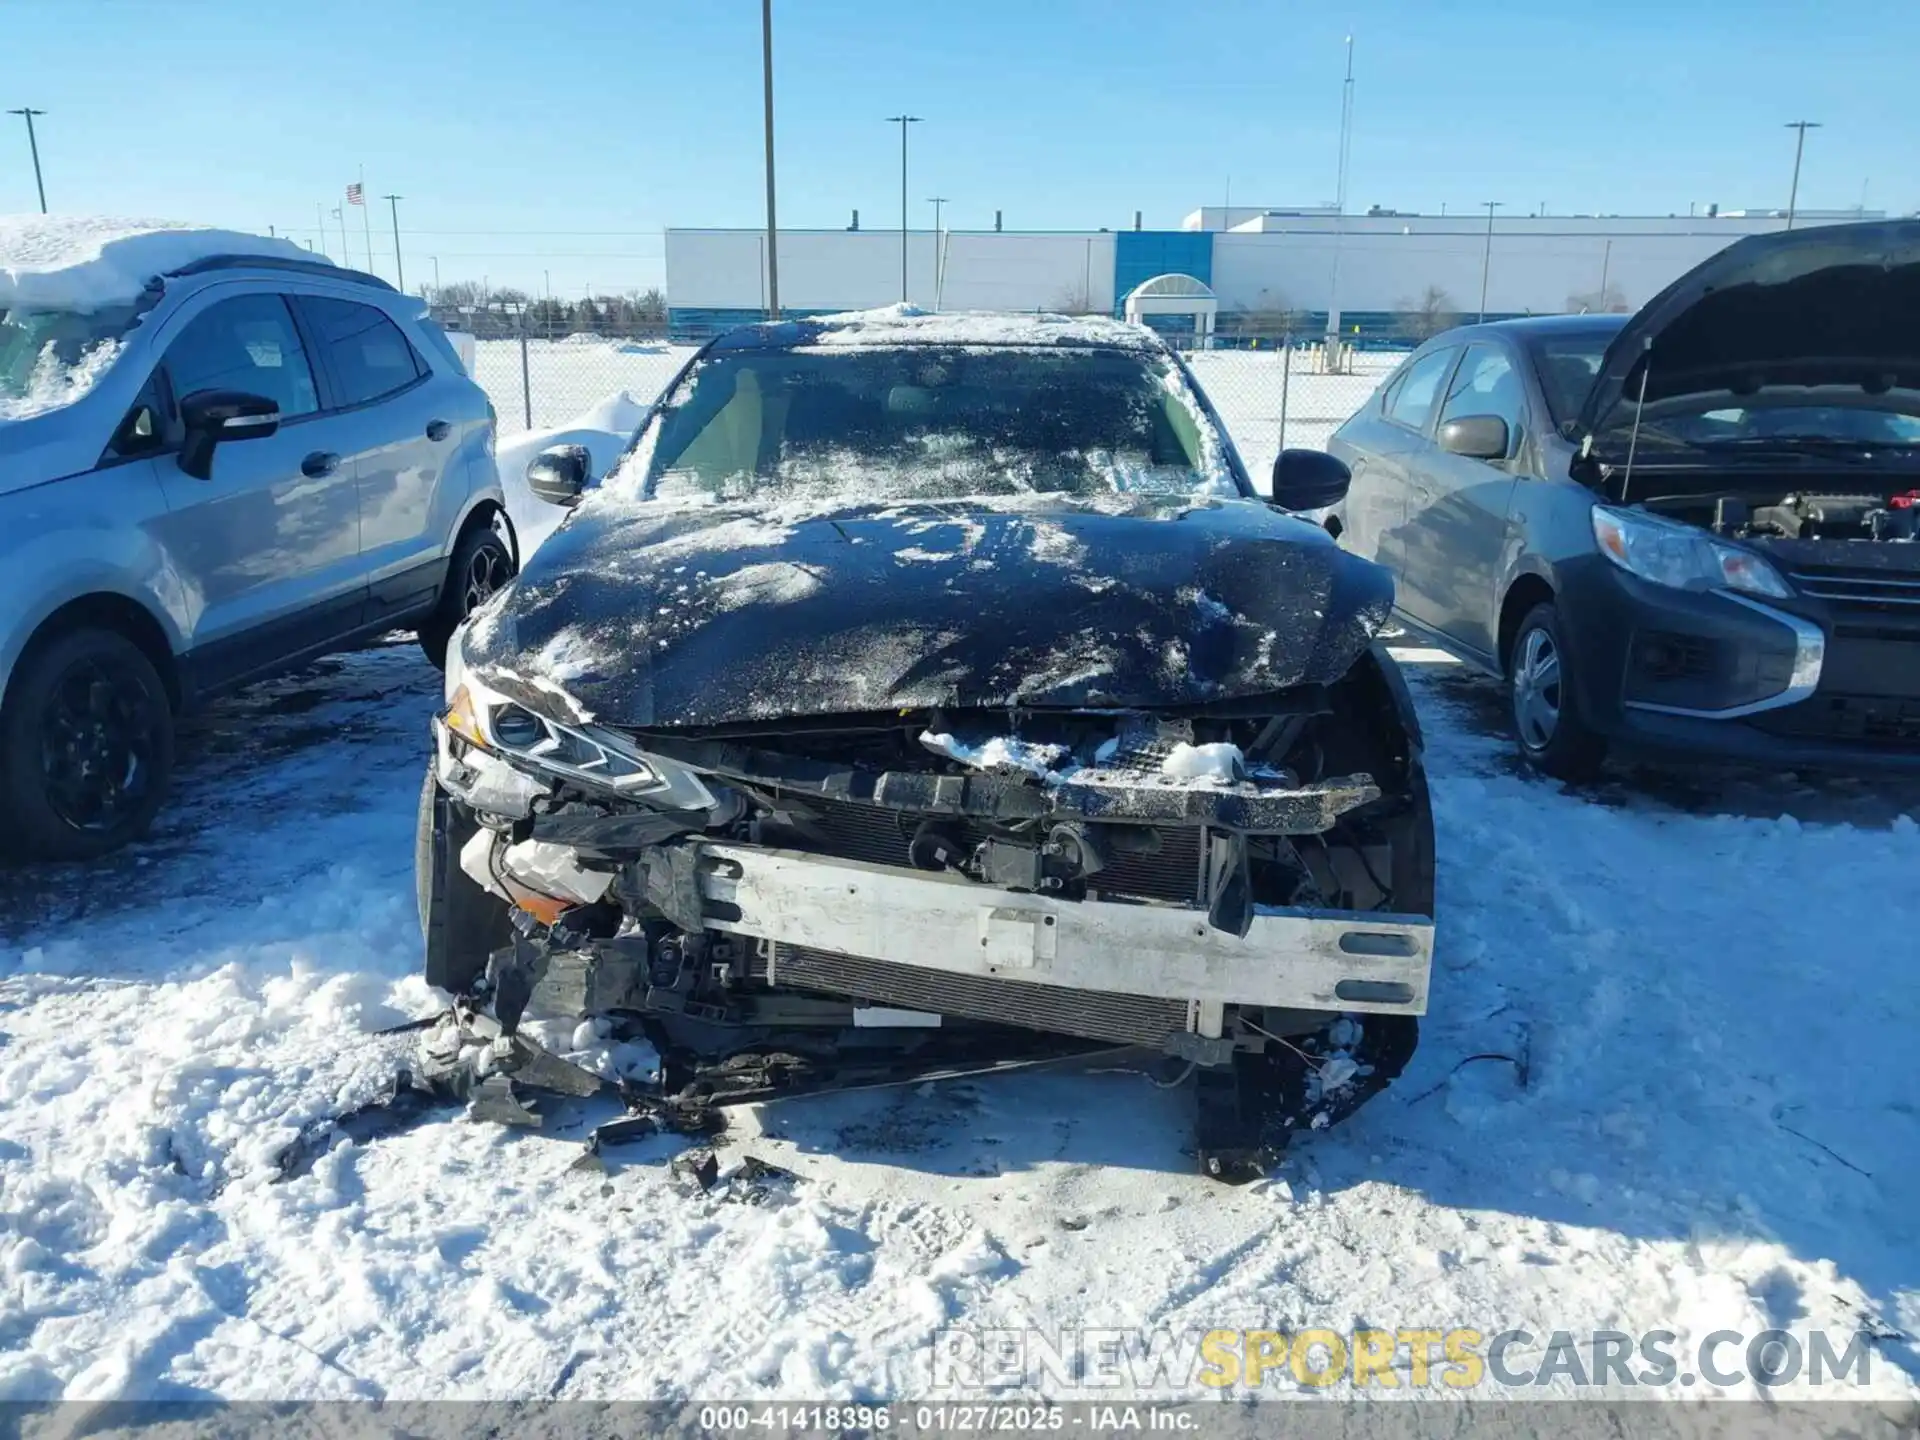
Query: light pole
x=436, y=273
x=399, y=271
x=1793, y=195
x=773, y=231
x=936, y=201
x=1486, y=260
x=903, y=121
x=34, y=146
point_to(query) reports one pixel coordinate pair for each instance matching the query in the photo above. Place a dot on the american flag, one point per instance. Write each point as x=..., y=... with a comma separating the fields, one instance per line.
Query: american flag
x=356, y=195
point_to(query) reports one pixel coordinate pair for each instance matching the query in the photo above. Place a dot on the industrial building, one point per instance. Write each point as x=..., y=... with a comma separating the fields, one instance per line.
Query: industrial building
x=1267, y=270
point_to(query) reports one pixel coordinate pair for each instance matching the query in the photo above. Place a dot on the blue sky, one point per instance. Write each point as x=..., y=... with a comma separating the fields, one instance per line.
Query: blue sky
x=559, y=136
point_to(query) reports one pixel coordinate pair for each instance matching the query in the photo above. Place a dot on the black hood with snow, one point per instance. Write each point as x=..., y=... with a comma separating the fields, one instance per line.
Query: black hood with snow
x=1832, y=305
x=657, y=615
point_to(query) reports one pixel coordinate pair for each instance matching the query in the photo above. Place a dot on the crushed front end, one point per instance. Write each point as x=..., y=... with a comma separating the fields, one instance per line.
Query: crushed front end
x=738, y=912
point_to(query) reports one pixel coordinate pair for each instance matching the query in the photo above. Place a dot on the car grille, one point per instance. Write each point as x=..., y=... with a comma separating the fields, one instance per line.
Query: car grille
x=1089, y=1014
x=1856, y=589
x=848, y=830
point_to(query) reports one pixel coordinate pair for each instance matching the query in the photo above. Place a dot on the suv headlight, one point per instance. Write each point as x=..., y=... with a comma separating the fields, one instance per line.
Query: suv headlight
x=1669, y=552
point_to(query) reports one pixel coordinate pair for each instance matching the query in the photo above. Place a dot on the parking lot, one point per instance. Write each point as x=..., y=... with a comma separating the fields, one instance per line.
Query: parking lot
x=1659, y=1088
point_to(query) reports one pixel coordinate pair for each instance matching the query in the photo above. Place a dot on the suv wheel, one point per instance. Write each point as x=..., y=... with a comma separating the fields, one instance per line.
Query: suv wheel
x=1546, y=716
x=86, y=747
x=481, y=565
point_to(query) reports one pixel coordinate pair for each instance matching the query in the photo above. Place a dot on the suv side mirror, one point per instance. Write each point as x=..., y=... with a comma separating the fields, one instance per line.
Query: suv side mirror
x=214, y=417
x=1308, y=480
x=1478, y=437
x=560, y=474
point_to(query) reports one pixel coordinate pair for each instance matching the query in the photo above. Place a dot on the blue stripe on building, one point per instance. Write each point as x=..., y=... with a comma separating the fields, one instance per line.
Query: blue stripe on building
x=1139, y=255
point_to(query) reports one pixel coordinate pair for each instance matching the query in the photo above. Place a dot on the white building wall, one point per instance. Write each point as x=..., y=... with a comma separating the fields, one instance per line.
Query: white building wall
x=1386, y=264
x=987, y=270
x=860, y=269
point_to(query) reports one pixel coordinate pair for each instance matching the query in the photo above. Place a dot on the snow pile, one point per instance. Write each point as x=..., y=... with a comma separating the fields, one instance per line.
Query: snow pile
x=89, y=263
x=1001, y=752
x=590, y=1045
x=911, y=325
x=1219, y=763
x=605, y=430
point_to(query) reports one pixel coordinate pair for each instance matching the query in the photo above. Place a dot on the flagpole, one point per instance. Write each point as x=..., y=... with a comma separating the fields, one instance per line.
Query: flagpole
x=320, y=215
x=340, y=214
x=366, y=221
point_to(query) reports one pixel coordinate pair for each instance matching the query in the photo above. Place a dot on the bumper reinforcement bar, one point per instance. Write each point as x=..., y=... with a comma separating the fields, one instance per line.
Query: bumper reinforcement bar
x=1324, y=960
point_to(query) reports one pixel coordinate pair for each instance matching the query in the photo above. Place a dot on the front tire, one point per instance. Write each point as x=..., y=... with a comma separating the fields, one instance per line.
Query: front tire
x=481, y=565
x=1553, y=736
x=86, y=747
x=461, y=924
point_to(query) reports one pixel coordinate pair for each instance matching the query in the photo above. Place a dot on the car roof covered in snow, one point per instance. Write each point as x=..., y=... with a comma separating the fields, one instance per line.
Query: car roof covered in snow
x=898, y=325
x=91, y=262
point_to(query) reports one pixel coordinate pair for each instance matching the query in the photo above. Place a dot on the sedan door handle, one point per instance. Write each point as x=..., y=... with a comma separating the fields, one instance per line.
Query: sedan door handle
x=320, y=462
x=438, y=429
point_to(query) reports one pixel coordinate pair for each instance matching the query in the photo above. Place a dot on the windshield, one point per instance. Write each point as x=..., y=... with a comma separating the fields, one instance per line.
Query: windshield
x=1567, y=365
x=50, y=358
x=929, y=423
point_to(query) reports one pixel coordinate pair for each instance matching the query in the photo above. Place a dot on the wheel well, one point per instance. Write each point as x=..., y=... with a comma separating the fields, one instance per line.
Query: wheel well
x=125, y=617
x=481, y=516
x=1525, y=593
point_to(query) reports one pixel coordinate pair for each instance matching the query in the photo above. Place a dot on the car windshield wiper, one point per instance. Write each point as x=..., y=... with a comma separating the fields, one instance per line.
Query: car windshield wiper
x=1808, y=445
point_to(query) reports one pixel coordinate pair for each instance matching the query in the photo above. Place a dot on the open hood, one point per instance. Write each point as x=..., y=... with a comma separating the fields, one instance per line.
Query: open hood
x=655, y=615
x=1833, y=305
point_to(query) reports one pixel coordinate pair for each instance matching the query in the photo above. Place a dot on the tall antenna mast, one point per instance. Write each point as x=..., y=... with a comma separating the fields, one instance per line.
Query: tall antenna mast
x=1346, y=131
x=1332, y=342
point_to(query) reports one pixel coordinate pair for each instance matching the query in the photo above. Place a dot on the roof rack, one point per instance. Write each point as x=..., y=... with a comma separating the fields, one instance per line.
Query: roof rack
x=320, y=269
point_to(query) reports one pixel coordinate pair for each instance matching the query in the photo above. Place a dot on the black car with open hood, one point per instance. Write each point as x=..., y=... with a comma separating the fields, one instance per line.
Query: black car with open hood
x=929, y=694
x=1695, y=529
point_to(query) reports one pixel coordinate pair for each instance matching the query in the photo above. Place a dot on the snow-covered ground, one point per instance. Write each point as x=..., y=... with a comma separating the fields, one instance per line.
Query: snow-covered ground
x=1706, y=982
x=565, y=377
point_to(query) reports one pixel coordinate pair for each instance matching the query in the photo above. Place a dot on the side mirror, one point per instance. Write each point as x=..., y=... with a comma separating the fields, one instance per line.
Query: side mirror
x=1309, y=480
x=1478, y=437
x=560, y=474
x=214, y=417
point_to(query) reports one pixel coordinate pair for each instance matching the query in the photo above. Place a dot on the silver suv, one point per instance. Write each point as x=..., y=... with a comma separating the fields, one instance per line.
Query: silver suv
x=281, y=458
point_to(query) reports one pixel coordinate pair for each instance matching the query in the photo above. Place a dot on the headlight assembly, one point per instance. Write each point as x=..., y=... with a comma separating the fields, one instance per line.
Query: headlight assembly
x=1668, y=552
x=588, y=754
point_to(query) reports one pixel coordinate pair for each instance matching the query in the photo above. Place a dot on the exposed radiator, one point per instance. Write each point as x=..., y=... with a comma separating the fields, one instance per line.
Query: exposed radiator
x=1124, y=1019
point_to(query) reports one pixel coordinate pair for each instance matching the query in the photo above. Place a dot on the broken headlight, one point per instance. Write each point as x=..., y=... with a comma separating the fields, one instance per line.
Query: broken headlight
x=501, y=725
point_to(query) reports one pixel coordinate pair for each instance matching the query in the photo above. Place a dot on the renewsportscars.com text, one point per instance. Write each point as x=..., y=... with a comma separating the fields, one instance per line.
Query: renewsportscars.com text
x=1412, y=1358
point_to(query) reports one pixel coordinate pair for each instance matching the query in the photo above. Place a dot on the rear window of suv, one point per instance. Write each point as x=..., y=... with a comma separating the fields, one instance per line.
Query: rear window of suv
x=371, y=358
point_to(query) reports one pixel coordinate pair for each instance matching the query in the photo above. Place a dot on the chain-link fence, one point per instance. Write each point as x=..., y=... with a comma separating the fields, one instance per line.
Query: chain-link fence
x=1271, y=396
x=1289, y=395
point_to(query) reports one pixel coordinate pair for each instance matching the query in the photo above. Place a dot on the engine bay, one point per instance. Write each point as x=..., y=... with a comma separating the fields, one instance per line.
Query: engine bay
x=1884, y=514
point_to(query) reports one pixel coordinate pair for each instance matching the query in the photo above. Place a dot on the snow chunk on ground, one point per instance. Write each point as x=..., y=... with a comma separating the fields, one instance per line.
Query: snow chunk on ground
x=91, y=262
x=1215, y=764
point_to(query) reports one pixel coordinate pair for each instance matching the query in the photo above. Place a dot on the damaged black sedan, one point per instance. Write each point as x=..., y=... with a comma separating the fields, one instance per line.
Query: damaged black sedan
x=925, y=695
